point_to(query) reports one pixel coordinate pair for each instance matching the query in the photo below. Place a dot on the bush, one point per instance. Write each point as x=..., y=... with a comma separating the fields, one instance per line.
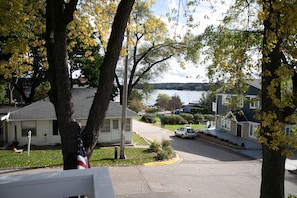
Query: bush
x=209, y=117
x=195, y=110
x=161, y=153
x=198, y=118
x=149, y=118
x=151, y=110
x=187, y=116
x=165, y=143
x=173, y=119
x=165, y=153
x=292, y=196
x=155, y=146
x=136, y=105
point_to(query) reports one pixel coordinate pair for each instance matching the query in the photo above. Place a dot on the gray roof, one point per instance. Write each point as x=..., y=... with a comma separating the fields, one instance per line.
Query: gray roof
x=4, y=109
x=82, y=99
x=255, y=83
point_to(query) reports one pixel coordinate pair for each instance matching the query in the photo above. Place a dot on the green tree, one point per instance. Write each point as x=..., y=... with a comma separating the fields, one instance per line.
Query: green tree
x=30, y=70
x=59, y=14
x=162, y=101
x=233, y=50
x=206, y=101
x=174, y=103
x=279, y=92
x=107, y=73
x=135, y=101
x=21, y=53
x=83, y=50
x=3, y=88
x=17, y=42
x=149, y=47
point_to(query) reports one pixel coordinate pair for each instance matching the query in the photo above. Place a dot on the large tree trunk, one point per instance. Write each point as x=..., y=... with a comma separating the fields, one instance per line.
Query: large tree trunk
x=107, y=72
x=58, y=15
x=273, y=171
x=273, y=165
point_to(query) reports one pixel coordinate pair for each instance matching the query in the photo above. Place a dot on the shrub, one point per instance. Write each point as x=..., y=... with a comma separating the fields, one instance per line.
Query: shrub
x=136, y=105
x=165, y=143
x=187, y=116
x=149, y=118
x=195, y=110
x=209, y=117
x=161, y=153
x=165, y=153
x=292, y=196
x=151, y=110
x=173, y=119
x=154, y=147
x=198, y=118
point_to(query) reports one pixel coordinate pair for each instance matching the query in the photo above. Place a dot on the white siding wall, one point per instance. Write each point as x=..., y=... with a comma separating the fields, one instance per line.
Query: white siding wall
x=46, y=127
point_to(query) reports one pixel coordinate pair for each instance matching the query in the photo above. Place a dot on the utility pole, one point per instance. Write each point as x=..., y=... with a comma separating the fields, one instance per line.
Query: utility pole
x=124, y=101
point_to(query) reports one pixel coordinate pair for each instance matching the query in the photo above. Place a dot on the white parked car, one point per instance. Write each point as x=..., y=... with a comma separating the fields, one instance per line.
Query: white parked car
x=185, y=132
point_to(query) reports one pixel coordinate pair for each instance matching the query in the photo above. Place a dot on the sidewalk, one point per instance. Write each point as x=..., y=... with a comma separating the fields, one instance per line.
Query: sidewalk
x=251, y=148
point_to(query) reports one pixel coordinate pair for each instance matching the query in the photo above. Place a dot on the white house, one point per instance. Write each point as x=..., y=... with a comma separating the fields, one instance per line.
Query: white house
x=40, y=118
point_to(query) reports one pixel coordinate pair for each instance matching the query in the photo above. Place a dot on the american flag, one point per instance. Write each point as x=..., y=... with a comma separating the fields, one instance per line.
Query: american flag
x=82, y=159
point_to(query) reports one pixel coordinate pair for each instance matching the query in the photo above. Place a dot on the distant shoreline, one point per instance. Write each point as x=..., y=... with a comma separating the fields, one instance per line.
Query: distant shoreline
x=186, y=96
x=182, y=86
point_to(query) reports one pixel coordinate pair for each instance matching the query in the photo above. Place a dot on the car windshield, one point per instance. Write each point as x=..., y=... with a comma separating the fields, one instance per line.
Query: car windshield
x=190, y=130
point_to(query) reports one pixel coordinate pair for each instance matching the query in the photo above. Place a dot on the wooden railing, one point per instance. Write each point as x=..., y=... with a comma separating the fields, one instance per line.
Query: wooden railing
x=93, y=182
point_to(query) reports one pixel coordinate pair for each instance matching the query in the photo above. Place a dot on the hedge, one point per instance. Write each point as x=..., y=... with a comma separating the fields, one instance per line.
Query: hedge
x=149, y=118
x=173, y=119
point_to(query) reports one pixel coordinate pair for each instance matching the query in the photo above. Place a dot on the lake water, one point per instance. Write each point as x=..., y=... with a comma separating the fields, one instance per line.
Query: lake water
x=185, y=96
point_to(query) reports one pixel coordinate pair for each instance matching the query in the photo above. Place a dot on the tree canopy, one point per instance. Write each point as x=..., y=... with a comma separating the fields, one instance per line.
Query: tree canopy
x=148, y=48
x=256, y=37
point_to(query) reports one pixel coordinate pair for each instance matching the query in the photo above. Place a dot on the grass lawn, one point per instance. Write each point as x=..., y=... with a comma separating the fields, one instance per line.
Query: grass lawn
x=176, y=126
x=103, y=156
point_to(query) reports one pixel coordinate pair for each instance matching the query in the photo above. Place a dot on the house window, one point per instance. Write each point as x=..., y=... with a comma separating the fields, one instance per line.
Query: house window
x=288, y=130
x=254, y=103
x=55, y=127
x=115, y=124
x=228, y=99
x=28, y=126
x=252, y=130
x=106, y=126
x=128, y=125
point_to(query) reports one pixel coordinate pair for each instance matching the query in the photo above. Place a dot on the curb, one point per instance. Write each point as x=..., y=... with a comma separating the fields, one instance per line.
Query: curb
x=161, y=163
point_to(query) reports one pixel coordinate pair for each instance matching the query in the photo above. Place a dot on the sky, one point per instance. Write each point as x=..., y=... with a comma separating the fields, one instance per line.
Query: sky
x=204, y=16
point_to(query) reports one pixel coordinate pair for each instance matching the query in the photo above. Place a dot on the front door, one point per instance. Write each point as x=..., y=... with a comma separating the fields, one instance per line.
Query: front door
x=115, y=132
x=238, y=130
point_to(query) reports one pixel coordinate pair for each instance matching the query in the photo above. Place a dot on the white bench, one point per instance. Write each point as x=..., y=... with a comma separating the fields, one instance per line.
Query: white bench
x=93, y=182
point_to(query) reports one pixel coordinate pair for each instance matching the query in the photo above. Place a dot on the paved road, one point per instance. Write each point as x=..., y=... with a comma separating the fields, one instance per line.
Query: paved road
x=205, y=170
